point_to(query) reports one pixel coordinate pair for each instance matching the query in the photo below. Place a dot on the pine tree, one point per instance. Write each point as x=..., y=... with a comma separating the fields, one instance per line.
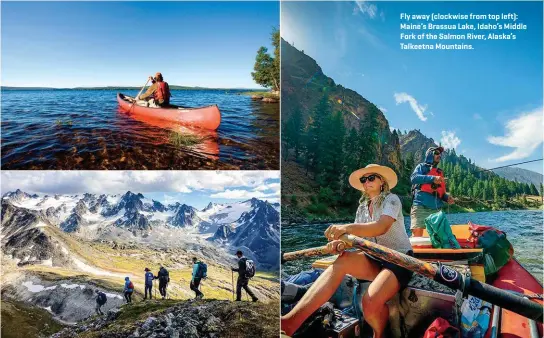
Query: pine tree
x=314, y=141
x=534, y=192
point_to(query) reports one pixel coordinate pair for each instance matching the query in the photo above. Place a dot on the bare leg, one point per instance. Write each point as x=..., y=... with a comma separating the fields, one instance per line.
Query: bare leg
x=353, y=263
x=376, y=312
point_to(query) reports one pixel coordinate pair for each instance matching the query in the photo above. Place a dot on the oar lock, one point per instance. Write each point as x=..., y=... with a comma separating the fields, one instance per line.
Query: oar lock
x=454, y=279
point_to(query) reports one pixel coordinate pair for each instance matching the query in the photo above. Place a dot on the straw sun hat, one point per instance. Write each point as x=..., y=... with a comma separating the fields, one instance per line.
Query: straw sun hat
x=387, y=173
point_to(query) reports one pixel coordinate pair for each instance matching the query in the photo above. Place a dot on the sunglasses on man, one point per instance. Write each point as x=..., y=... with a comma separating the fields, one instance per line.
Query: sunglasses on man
x=370, y=178
x=437, y=152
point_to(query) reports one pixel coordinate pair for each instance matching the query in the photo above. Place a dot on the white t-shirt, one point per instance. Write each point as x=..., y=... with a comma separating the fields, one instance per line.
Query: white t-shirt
x=396, y=237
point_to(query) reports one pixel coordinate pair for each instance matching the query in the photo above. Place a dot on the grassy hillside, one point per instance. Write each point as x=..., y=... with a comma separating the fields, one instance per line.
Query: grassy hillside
x=22, y=321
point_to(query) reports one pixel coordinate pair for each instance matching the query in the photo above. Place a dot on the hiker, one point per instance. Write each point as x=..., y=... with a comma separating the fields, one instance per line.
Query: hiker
x=379, y=218
x=129, y=289
x=101, y=299
x=148, y=283
x=158, y=93
x=164, y=278
x=428, y=189
x=243, y=276
x=200, y=271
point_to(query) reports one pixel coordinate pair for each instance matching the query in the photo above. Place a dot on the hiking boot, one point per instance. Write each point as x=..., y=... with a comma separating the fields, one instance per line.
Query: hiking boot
x=201, y=296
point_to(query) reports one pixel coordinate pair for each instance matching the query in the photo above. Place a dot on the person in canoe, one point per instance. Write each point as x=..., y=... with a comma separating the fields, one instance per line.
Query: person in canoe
x=158, y=93
x=428, y=189
x=379, y=218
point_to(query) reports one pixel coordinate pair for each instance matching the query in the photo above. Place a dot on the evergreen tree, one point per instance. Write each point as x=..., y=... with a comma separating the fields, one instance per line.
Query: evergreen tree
x=314, y=142
x=534, y=192
x=292, y=133
x=267, y=68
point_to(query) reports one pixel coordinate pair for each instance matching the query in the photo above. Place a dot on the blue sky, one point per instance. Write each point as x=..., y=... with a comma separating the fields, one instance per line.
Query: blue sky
x=486, y=103
x=68, y=44
x=195, y=188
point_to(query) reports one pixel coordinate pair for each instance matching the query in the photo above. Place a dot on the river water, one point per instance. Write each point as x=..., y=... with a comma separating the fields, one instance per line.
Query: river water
x=84, y=129
x=524, y=229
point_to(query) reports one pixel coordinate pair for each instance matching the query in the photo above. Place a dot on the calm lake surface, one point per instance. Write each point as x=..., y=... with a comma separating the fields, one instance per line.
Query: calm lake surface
x=84, y=129
x=523, y=229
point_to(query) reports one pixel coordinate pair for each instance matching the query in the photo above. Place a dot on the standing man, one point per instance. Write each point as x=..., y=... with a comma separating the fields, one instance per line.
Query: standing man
x=101, y=299
x=429, y=190
x=148, y=283
x=164, y=278
x=200, y=271
x=244, y=274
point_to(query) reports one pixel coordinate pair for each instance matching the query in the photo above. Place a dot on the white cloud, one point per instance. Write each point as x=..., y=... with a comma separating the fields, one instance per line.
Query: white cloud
x=477, y=117
x=272, y=186
x=524, y=134
x=240, y=193
x=382, y=109
x=114, y=182
x=416, y=107
x=449, y=140
x=367, y=8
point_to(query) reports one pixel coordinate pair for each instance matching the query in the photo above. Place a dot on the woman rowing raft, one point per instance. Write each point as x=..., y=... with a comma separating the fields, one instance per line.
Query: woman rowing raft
x=379, y=218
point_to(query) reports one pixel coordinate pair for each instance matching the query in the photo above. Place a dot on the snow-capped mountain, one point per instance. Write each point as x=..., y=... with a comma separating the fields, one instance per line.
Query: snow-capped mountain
x=256, y=229
x=252, y=224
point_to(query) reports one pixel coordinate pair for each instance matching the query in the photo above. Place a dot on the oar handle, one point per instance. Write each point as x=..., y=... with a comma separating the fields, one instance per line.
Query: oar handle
x=312, y=252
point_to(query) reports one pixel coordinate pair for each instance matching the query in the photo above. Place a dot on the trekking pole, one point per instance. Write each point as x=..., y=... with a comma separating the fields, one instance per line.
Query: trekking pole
x=232, y=272
x=155, y=287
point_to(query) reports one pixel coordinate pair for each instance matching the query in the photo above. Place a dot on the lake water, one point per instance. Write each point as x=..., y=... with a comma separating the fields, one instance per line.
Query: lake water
x=84, y=129
x=523, y=229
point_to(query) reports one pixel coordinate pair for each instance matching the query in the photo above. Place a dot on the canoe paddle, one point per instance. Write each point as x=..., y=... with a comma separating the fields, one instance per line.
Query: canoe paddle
x=141, y=90
x=437, y=272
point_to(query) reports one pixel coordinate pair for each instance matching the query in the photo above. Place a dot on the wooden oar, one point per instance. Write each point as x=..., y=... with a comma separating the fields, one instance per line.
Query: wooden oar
x=141, y=90
x=440, y=273
x=312, y=252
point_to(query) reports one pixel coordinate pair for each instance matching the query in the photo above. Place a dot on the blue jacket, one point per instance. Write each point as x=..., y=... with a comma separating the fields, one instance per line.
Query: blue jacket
x=418, y=177
x=149, y=278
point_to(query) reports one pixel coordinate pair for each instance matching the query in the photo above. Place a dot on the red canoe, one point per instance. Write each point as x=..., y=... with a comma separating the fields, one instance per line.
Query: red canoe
x=204, y=117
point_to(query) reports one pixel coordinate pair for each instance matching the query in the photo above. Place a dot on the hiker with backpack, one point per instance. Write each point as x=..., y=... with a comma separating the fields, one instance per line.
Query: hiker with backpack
x=164, y=278
x=148, y=283
x=101, y=299
x=129, y=289
x=246, y=270
x=200, y=270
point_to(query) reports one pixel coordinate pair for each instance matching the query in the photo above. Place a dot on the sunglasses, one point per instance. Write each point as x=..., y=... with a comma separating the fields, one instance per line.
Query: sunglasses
x=370, y=178
x=437, y=152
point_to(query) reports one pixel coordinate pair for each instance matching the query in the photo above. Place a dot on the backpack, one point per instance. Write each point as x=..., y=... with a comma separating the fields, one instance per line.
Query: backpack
x=102, y=299
x=164, y=276
x=131, y=286
x=202, y=270
x=441, y=328
x=250, y=268
x=496, y=248
x=439, y=230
